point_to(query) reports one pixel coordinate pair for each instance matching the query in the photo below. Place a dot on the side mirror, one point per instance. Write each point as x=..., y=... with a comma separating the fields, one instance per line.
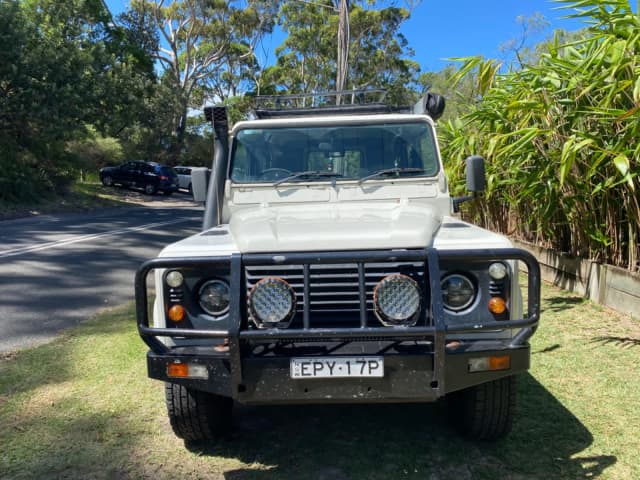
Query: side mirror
x=199, y=183
x=476, y=179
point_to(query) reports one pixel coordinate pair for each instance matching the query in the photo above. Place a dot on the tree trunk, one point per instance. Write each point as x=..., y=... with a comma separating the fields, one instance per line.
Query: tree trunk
x=342, y=63
x=177, y=145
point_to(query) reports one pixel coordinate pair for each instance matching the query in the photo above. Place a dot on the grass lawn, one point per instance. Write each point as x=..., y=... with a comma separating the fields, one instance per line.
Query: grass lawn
x=82, y=407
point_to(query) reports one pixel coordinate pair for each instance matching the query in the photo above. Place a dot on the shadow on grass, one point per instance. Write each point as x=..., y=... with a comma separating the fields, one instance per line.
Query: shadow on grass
x=562, y=303
x=408, y=441
x=548, y=349
x=621, y=342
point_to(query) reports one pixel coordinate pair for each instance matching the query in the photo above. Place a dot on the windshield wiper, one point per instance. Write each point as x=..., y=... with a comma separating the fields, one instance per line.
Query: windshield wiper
x=391, y=171
x=307, y=174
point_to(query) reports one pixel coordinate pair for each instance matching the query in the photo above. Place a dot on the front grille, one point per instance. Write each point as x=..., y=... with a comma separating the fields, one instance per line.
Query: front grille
x=497, y=288
x=334, y=289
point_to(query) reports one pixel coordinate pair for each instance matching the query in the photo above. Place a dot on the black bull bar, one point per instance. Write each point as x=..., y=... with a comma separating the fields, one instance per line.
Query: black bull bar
x=430, y=256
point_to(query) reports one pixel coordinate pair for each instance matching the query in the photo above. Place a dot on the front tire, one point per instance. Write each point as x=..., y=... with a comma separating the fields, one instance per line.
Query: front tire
x=197, y=416
x=484, y=412
x=107, y=181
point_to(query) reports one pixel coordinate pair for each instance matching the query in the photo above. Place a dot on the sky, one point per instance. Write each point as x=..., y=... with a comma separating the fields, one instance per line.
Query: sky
x=442, y=29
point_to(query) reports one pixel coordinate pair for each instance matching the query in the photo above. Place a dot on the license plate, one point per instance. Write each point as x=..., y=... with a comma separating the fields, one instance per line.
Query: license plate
x=337, y=367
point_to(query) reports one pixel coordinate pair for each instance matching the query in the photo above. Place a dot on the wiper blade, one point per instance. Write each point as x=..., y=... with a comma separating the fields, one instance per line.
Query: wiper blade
x=391, y=171
x=307, y=174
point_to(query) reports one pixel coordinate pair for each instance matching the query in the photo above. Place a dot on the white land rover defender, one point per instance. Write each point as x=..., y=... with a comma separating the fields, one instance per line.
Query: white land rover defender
x=330, y=269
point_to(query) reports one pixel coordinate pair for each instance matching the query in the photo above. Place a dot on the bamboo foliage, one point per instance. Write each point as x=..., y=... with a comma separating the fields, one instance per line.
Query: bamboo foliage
x=562, y=140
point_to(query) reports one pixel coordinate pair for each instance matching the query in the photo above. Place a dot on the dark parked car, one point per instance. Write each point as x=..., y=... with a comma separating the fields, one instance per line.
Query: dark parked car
x=150, y=176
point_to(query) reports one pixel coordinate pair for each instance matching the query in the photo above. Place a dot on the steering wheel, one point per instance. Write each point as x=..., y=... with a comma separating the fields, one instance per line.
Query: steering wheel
x=275, y=173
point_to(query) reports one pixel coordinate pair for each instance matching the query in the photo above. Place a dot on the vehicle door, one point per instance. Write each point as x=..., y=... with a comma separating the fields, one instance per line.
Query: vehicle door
x=143, y=174
x=126, y=173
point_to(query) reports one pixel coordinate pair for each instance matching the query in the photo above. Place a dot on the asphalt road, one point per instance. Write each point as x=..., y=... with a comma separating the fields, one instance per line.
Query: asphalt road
x=59, y=270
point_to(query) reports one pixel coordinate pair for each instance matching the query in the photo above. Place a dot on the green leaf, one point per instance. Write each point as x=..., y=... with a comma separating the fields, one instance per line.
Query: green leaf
x=636, y=90
x=622, y=163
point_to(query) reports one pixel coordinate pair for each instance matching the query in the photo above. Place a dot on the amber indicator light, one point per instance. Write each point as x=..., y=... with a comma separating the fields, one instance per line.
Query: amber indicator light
x=499, y=363
x=178, y=370
x=177, y=313
x=497, y=305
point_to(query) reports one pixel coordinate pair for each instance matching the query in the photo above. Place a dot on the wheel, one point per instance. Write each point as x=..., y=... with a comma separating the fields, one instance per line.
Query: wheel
x=484, y=412
x=197, y=416
x=107, y=181
x=150, y=189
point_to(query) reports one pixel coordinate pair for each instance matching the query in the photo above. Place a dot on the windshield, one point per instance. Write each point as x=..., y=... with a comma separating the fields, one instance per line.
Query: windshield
x=323, y=153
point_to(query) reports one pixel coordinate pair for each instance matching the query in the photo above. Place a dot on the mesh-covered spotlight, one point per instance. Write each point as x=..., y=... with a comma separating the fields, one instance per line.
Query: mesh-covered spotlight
x=272, y=303
x=396, y=299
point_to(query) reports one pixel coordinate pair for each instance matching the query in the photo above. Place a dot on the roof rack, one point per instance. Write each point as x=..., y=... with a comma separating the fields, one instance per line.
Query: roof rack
x=320, y=99
x=349, y=102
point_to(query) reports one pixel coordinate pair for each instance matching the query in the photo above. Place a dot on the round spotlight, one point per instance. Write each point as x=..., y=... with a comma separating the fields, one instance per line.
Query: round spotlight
x=272, y=303
x=458, y=292
x=497, y=271
x=396, y=299
x=174, y=279
x=214, y=297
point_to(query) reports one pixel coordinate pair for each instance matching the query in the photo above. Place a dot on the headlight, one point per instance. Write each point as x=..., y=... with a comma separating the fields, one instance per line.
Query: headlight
x=214, y=297
x=458, y=292
x=396, y=299
x=174, y=279
x=497, y=270
x=272, y=303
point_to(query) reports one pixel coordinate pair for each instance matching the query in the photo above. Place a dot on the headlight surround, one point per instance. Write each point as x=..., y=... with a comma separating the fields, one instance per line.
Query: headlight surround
x=272, y=303
x=458, y=292
x=213, y=297
x=397, y=300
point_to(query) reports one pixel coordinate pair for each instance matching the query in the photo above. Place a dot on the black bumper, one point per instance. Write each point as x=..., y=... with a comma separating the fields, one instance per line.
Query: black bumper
x=440, y=369
x=407, y=378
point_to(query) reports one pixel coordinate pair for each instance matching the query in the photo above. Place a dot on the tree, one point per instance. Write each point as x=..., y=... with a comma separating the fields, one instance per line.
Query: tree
x=561, y=140
x=461, y=94
x=306, y=61
x=197, y=37
x=519, y=47
x=53, y=79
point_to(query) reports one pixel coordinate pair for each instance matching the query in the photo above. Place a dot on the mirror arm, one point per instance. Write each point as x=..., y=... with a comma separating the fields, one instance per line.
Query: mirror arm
x=457, y=201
